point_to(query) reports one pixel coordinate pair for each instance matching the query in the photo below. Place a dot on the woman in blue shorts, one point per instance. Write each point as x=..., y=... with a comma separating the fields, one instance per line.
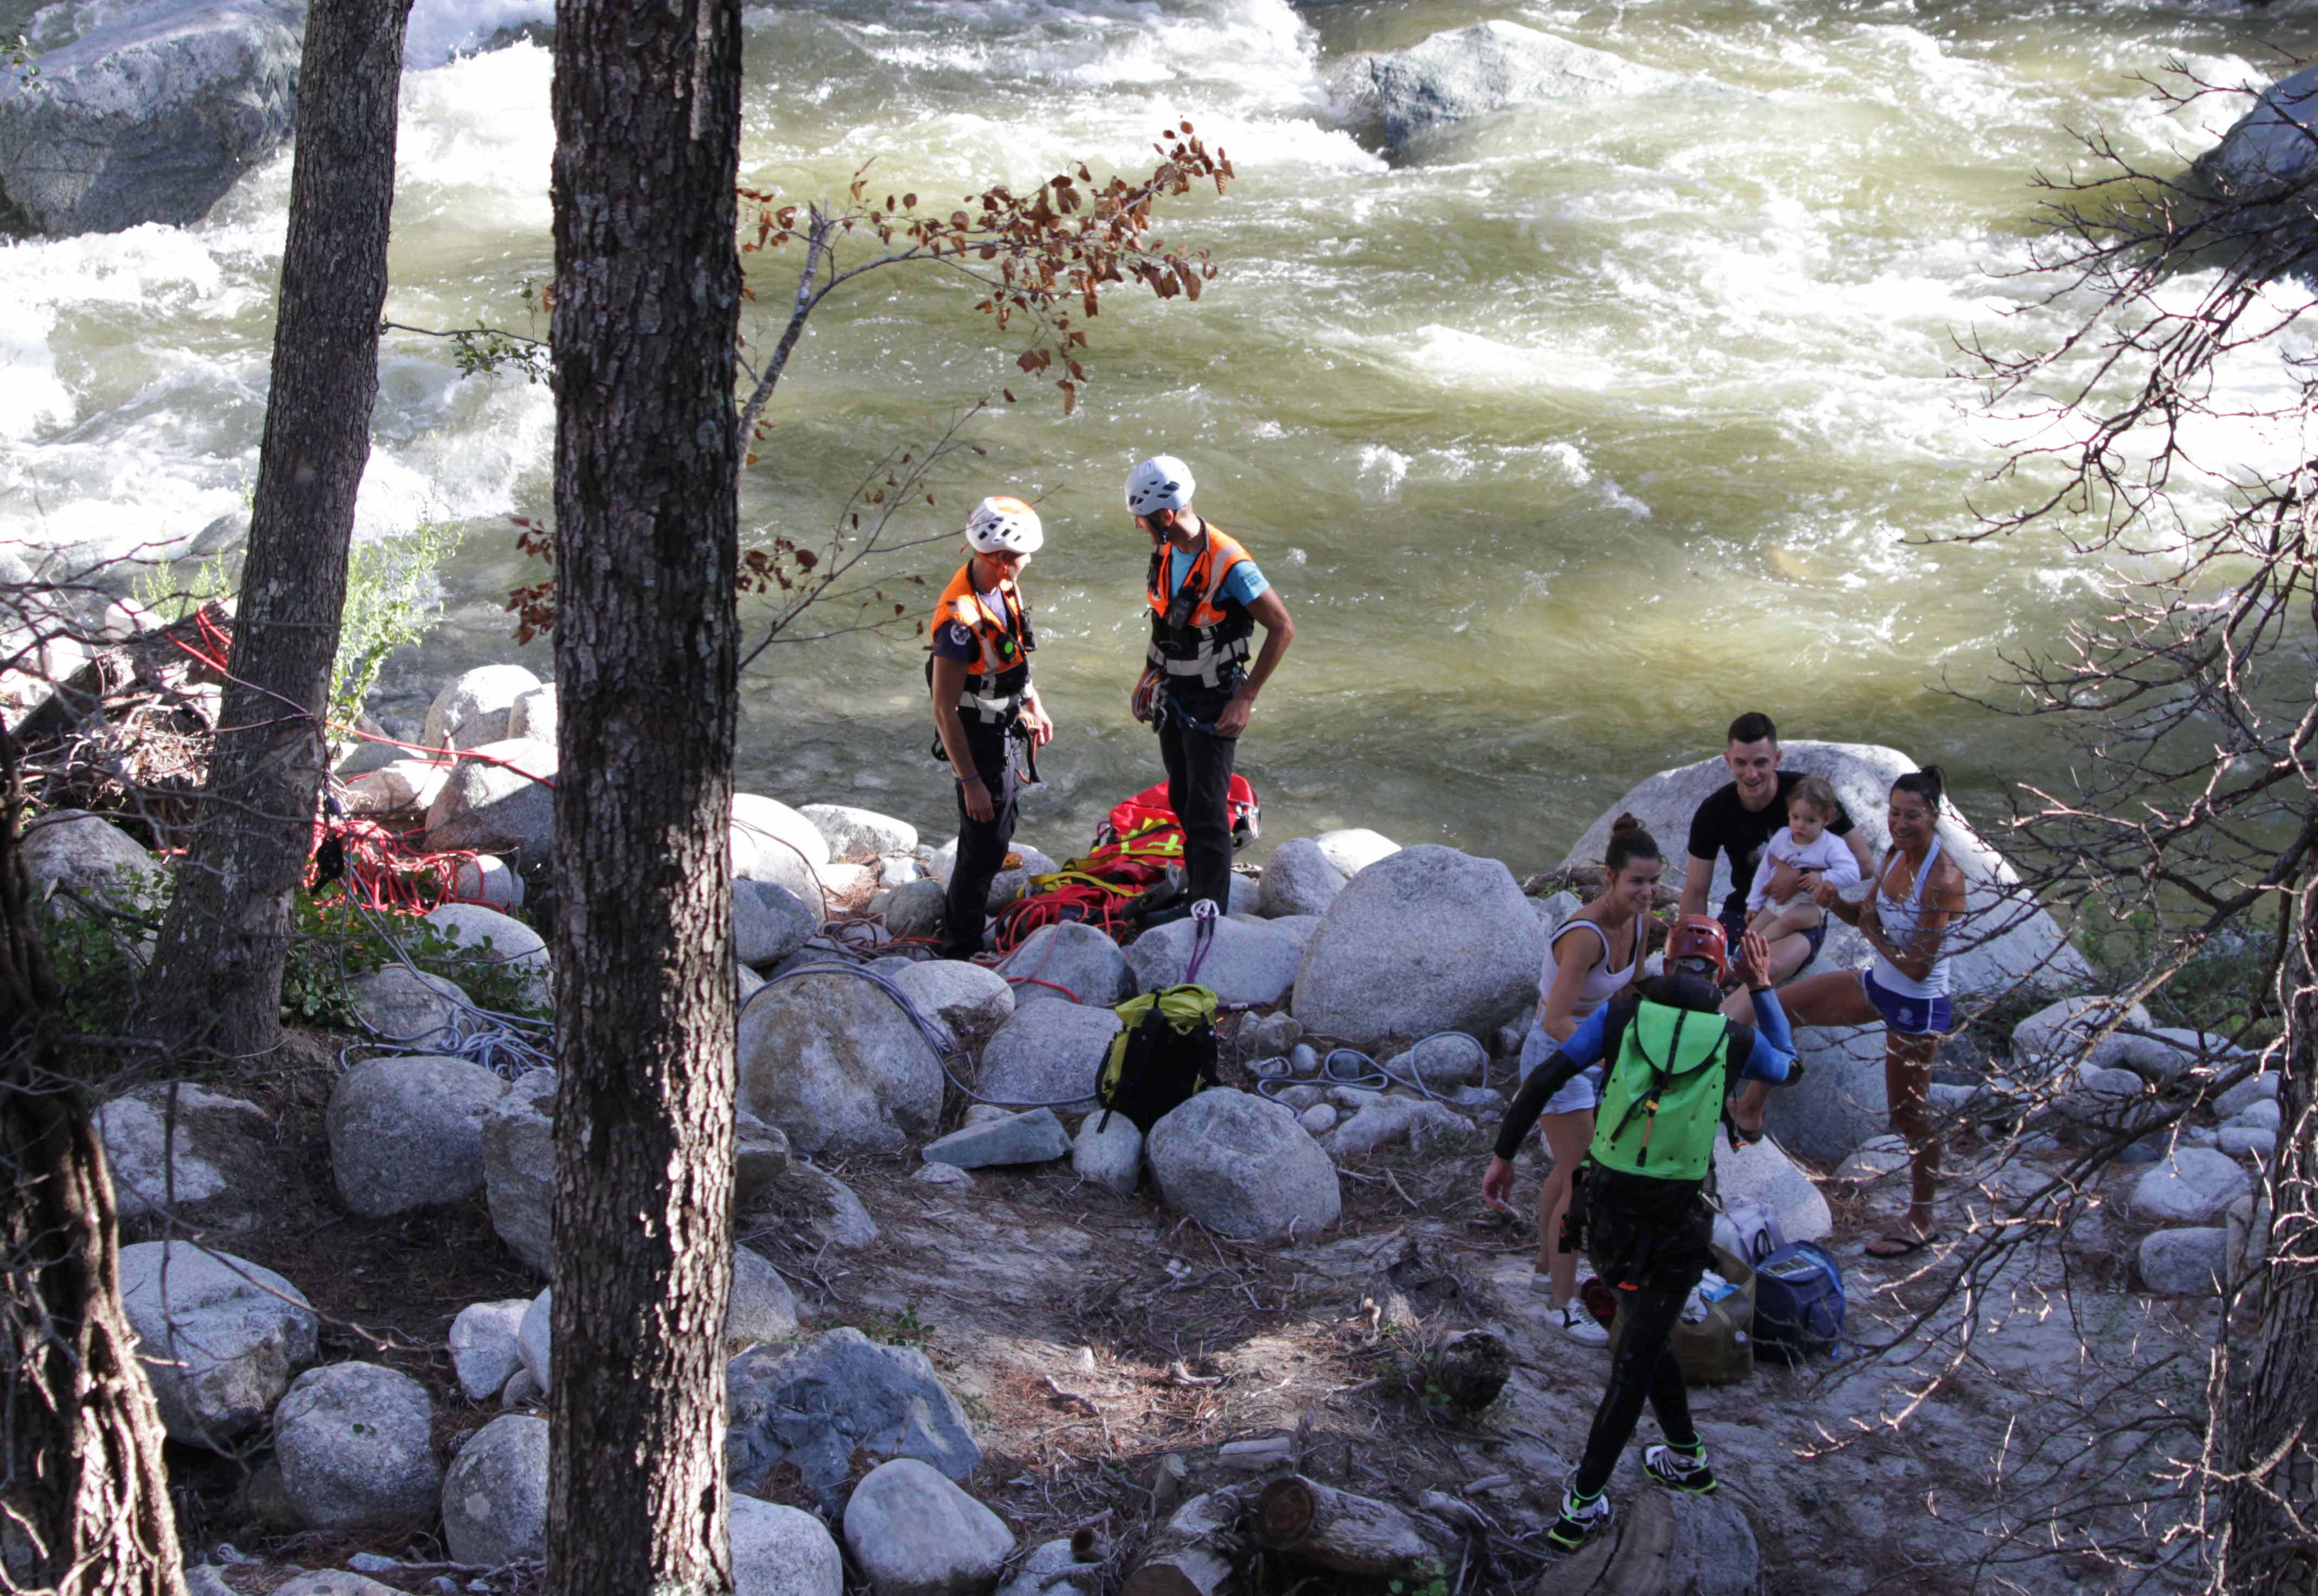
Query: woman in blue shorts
x=1917, y=895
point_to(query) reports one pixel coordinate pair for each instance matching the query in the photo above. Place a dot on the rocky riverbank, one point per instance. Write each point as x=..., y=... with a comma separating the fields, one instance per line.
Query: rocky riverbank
x=981, y=1346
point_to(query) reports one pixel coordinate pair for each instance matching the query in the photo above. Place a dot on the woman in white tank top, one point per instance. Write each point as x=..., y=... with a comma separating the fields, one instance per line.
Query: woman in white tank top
x=1592, y=956
x=1907, y=918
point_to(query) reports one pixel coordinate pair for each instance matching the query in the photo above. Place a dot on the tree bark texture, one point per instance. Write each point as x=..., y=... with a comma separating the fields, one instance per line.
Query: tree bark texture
x=218, y=970
x=647, y=103
x=81, y=1474
x=2271, y=1546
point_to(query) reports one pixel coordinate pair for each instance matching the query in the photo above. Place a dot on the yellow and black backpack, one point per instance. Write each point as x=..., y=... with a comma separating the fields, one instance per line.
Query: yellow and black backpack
x=1164, y=1052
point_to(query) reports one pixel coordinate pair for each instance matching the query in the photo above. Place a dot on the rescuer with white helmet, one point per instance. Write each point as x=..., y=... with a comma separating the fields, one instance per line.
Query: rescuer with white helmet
x=985, y=707
x=1206, y=598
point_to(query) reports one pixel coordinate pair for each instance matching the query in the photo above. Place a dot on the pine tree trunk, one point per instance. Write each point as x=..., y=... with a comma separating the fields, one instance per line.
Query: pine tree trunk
x=218, y=971
x=647, y=299
x=80, y=1440
x=2271, y=1430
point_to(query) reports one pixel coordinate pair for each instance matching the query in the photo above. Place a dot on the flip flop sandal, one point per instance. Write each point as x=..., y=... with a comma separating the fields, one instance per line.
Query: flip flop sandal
x=1903, y=1246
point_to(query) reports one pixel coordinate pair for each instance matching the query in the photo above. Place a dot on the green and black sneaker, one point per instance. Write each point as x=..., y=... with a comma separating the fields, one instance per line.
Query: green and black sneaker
x=1581, y=1515
x=1680, y=1468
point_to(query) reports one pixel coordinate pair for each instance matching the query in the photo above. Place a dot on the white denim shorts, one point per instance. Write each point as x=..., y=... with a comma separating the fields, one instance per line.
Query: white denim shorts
x=1581, y=1094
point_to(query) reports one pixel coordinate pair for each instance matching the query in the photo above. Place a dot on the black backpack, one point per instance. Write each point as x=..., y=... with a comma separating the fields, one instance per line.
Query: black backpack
x=1164, y=1052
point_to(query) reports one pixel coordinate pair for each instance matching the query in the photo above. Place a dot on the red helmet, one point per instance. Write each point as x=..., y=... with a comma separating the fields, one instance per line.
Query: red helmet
x=1700, y=936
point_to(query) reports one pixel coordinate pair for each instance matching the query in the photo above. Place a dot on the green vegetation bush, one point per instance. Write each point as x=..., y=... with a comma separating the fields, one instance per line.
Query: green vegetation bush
x=99, y=961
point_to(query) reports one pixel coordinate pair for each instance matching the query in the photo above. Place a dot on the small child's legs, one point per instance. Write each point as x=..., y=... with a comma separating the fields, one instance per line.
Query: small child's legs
x=1772, y=921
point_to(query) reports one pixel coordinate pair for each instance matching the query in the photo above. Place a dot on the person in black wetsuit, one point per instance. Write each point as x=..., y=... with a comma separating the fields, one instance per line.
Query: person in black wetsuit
x=1672, y=1056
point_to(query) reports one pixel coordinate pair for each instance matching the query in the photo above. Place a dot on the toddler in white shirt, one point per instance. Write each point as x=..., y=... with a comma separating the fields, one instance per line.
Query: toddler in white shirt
x=1803, y=845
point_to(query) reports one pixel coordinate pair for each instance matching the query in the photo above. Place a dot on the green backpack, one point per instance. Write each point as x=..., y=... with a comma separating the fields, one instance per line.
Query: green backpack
x=1165, y=1052
x=1663, y=1100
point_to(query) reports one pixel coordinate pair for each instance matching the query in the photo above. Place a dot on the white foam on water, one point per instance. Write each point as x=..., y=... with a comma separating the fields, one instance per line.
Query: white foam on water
x=475, y=142
x=441, y=29
x=31, y=395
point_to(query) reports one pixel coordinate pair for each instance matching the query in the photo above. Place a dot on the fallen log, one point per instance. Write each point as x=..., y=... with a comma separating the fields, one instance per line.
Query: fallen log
x=1195, y=1553
x=1352, y=1534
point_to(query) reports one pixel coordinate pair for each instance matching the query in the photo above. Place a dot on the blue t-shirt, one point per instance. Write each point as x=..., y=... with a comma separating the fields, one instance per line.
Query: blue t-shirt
x=1244, y=584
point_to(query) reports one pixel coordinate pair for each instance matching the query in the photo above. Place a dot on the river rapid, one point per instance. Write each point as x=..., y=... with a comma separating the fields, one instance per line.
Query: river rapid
x=1566, y=437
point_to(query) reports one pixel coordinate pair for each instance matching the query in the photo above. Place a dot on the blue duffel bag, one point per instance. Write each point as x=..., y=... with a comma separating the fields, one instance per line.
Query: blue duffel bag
x=1799, y=1305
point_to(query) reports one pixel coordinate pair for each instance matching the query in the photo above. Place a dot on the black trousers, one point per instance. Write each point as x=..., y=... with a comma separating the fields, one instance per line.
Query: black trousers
x=1651, y=1239
x=1199, y=789
x=980, y=843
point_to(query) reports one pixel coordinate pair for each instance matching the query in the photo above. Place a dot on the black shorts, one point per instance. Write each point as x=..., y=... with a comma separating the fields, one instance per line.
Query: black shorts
x=1734, y=927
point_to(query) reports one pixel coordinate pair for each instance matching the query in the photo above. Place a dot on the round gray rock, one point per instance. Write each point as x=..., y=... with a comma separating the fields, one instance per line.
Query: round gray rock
x=914, y=909
x=915, y=1534
x=1453, y=76
x=1109, y=1155
x=495, y=1493
x=1425, y=939
x=476, y=706
x=842, y=1394
x=972, y=999
x=354, y=1441
x=782, y=1551
x=1840, y=1104
x=2268, y=152
x=409, y=1006
x=1760, y=1172
x=1048, y=1054
x=1076, y=957
x=1298, y=879
x=208, y=1157
x=1244, y=1166
x=773, y=842
x=482, y=1344
x=496, y=800
x=219, y=1337
x=2194, y=1185
x=2184, y=1262
x=1246, y=962
x=471, y=926
x=835, y=1063
x=762, y=1307
x=519, y=1168
x=70, y=850
x=769, y=922
x=860, y=834
x=407, y=1133
x=534, y=716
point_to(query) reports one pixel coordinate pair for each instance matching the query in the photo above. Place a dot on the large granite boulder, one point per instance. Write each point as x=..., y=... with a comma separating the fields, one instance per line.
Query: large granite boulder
x=1453, y=76
x=773, y=842
x=401, y=1004
x=356, y=1443
x=2188, y=1262
x=150, y=116
x=407, y=1133
x=1242, y=1166
x=1839, y=1103
x=534, y=715
x=1246, y=962
x=483, y=1345
x=477, y=707
x=1354, y=848
x=2190, y=1186
x=1069, y=963
x=1760, y=1172
x=835, y=1063
x=1425, y=939
x=219, y=1337
x=2005, y=940
x=1047, y=1053
x=2269, y=152
x=495, y=1493
x=840, y=1394
x=498, y=800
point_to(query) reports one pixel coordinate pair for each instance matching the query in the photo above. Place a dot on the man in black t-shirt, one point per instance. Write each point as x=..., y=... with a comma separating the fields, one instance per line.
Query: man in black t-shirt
x=1738, y=821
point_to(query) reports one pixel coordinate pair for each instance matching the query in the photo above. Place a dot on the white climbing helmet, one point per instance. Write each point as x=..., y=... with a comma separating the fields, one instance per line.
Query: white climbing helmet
x=1001, y=525
x=1162, y=482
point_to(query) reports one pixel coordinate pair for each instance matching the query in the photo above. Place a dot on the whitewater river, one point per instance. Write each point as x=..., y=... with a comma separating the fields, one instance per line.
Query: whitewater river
x=1566, y=438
